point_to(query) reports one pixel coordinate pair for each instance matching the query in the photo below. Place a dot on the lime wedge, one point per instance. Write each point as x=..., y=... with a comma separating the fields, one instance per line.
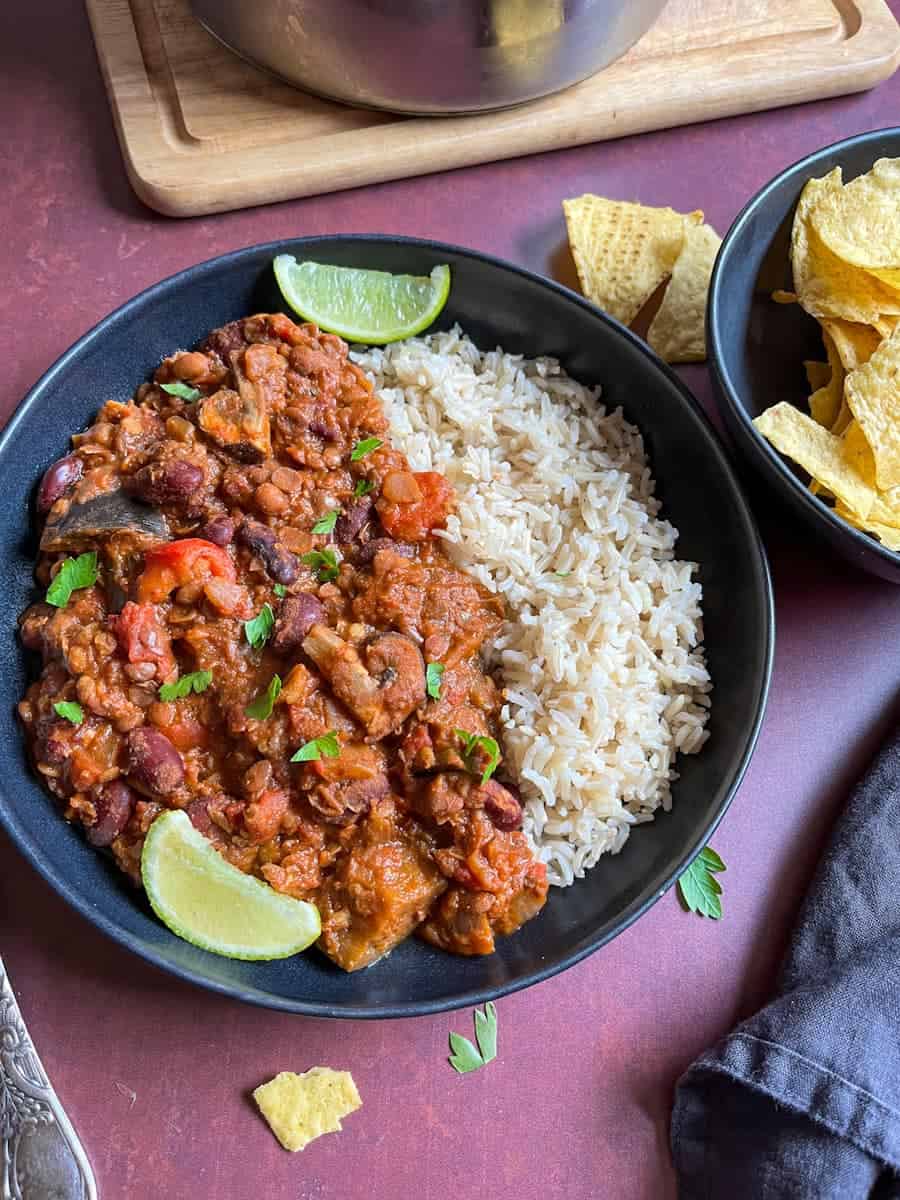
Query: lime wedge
x=373, y=307
x=212, y=904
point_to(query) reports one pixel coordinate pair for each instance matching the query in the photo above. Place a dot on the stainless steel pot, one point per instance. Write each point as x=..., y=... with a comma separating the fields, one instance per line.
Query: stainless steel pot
x=430, y=56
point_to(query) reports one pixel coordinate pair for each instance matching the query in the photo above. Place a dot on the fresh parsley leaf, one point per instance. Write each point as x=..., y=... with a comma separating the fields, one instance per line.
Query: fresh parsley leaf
x=562, y=574
x=280, y=590
x=262, y=706
x=323, y=562
x=70, y=710
x=698, y=888
x=326, y=746
x=366, y=446
x=197, y=681
x=433, y=673
x=258, y=628
x=183, y=390
x=473, y=742
x=465, y=1056
x=363, y=487
x=327, y=523
x=75, y=573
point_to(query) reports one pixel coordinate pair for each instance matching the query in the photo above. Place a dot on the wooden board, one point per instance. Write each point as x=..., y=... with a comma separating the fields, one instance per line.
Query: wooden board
x=202, y=131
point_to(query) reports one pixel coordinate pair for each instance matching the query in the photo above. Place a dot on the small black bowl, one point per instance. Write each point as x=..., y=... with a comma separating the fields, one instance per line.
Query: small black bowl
x=757, y=347
x=496, y=303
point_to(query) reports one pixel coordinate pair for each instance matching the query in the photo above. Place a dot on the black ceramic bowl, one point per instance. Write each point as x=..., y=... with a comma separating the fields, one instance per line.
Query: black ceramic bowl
x=757, y=347
x=497, y=303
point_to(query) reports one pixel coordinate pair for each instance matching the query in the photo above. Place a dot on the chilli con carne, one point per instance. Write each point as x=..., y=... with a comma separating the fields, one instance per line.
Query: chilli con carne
x=256, y=525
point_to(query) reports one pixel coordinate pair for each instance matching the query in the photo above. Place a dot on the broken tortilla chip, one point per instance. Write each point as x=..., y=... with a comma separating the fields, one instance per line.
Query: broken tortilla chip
x=817, y=373
x=300, y=1108
x=855, y=344
x=623, y=251
x=873, y=394
x=678, y=331
x=825, y=402
x=859, y=223
x=818, y=452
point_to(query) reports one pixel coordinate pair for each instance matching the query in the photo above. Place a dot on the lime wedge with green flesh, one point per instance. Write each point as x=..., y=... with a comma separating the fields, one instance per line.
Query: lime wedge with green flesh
x=373, y=307
x=212, y=904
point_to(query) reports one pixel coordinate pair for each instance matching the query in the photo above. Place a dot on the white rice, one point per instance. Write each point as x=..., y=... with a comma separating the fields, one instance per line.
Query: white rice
x=601, y=657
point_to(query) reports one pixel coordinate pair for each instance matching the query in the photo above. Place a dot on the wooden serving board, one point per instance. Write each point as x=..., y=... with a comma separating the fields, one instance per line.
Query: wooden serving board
x=202, y=131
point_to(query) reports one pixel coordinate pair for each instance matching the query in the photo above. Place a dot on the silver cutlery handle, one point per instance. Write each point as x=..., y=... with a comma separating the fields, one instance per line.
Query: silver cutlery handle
x=41, y=1157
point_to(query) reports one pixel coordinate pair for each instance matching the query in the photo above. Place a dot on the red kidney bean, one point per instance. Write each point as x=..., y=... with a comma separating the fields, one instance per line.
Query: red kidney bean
x=504, y=809
x=366, y=553
x=352, y=519
x=296, y=617
x=278, y=561
x=57, y=480
x=219, y=531
x=226, y=341
x=323, y=431
x=153, y=762
x=172, y=482
x=114, y=804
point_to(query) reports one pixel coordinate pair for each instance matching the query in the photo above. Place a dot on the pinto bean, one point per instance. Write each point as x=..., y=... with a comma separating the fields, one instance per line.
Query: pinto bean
x=219, y=531
x=352, y=519
x=504, y=808
x=364, y=555
x=279, y=563
x=58, y=479
x=172, y=482
x=153, y=762
x=114, y=804
x=296, y=618
x=189, y=365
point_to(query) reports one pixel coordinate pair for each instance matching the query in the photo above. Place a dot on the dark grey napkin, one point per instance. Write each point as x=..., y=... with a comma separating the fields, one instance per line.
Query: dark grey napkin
x=803, y=1099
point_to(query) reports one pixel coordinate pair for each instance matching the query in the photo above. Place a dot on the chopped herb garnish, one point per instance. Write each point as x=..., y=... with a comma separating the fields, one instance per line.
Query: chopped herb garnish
x=326, y=746
x=262, y=706
x=197, y=681
x=433, y=673
x=561, y=574
x=465, y=1056
x=363, y=487
x=259, y=627
x=698, y=888
x=473, y=742
x=327, y=523
x=366, y=446
x=183, y=390
x=75, y=573
x=323, y=562
x=70, y=710
x=280, y=590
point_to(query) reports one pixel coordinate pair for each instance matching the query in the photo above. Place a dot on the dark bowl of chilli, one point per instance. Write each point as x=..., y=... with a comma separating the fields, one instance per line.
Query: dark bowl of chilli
x=496, y=304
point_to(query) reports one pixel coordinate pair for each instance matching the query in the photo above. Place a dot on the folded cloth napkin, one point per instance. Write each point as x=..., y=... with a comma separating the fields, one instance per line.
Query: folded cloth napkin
x=803, y=1099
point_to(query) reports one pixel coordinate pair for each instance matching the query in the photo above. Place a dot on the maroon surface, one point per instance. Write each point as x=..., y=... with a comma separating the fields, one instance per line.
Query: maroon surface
x=577, y=1104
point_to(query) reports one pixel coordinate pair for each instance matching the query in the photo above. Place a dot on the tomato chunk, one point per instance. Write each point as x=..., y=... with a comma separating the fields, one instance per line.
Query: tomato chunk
x=191, y=560
x=144, y=640
x=414, y=520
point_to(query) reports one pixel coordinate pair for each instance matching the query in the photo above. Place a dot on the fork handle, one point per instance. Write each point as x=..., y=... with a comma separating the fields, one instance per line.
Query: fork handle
x=41, y=1157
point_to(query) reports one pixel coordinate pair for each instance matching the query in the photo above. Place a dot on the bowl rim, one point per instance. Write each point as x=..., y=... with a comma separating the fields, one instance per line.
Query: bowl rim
x=659, y=883
x=765, y=454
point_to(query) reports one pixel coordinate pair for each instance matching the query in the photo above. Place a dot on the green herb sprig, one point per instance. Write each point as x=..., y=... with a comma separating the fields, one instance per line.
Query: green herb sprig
x=74, y=574
x=326, y=746
x=698, y=888
x=70, y=710
x=327, y=523
x=183, y=390
x=196, y=681
x=261, y=708
x=433, y=674
x=465, y=1056
x=323, y=562
x=259, y=628
x=363, y=487
x=366, y=446
x=473, y=742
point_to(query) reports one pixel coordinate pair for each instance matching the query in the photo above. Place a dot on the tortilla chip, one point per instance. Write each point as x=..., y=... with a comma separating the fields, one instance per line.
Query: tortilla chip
x=678, y=331
x=888, y=536
x=826, y=285
x=873, y=394
x=818, y=452
x=858, y=452
x=825, y=402
x=780, y=296
x=860, y=222
x=817, y=373
x=844, y=417
x=300, y=1108
x=623, y=251
x=855, y=344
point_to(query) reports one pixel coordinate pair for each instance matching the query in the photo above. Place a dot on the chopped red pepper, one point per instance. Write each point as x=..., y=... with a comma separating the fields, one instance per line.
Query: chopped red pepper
x=191, y=560
x=414, y=521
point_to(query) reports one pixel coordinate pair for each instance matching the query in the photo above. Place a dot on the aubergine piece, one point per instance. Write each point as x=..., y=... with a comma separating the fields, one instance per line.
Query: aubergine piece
x=238, y=422
x=82, y=525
